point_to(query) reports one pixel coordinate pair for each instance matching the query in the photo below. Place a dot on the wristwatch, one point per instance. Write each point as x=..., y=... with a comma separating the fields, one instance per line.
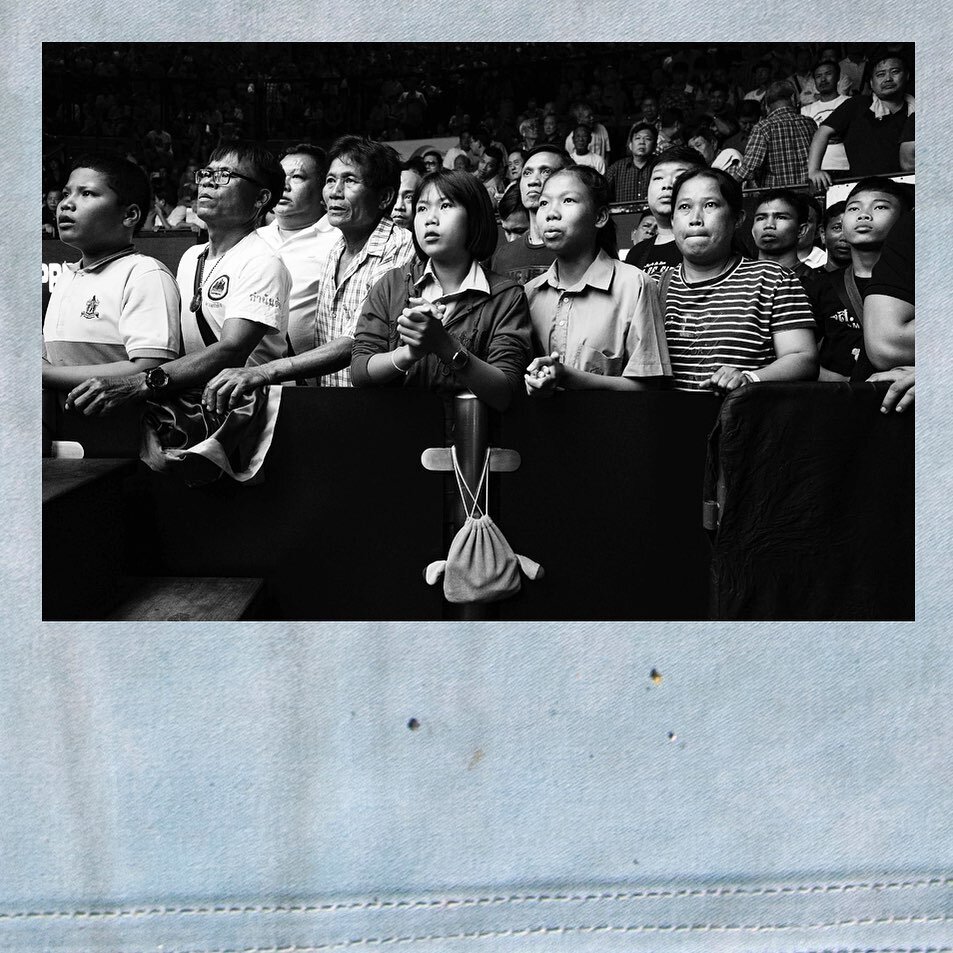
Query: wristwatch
x=156, y=380
x=460, y=359
x=750, y=377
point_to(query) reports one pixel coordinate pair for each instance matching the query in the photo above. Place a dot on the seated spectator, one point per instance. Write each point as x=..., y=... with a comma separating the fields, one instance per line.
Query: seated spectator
x=432, y=161
x=723, y=119
x=550, y=135
x=597, y=323
x=599, y=142
x=646, y=229
x=443, y=321
x=809, y=246
x=411, y=172
x=649, y=110
x=580, y=154
x=890, y=319
x=762, y=77
x=749, y=113
x=671, y=127
x=832, y=237
x=490, y=173
x=873, y=207
x=871, y=127
x=703, y=140
x=629, y=177
x=853, y=68
x=529, y=134
x=777, y=150
x=802, y=79
x=359, y=192
x=115, y=312
x=184, y=214
x=461, y=149
x=50, y=201
x=826, y=77
x=654, y=255
x=514, y=165
x=514, y=219
x=461, y=163
x=302, y=237
x=729, y=321
x=528, y=256
x=780, y=219
x=234, y=289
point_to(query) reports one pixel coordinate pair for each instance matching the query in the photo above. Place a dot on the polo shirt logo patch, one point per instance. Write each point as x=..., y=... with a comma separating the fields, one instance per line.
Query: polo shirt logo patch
x=219, y=288
x=91, y=311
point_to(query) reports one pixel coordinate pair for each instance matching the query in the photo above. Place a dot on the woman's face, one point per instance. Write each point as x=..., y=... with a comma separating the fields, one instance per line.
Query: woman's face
x=440, y=225
x=702, y=221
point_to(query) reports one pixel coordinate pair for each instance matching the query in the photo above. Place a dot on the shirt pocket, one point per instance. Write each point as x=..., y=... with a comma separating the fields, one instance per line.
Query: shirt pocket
x=604, y=362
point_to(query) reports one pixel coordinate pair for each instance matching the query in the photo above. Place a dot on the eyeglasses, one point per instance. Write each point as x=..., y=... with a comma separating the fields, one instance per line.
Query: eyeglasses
x=222, y=176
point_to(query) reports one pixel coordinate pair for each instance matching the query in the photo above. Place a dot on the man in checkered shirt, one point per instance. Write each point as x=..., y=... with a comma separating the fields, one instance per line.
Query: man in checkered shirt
x=777, y=150
x=359, y=191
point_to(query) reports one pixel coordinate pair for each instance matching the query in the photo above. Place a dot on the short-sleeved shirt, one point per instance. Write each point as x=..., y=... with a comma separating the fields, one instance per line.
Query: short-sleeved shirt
x=730, y=320
x=599, y=144
x=340, y=302
x=627, y=182
x=654, y=258
x=125, y=306
x=249, y=281
x=304, y=253
x=591, y=159
x=841, y=329
x=608, y=323
x=521, y=260
x=835, y=157
x=872, y=144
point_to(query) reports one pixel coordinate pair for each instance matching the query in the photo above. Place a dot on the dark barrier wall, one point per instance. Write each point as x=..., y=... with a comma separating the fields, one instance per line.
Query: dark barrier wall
x=818, y=519
x=168, y=248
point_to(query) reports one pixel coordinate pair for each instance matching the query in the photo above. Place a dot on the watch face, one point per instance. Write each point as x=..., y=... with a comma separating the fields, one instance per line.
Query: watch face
x=156, y=378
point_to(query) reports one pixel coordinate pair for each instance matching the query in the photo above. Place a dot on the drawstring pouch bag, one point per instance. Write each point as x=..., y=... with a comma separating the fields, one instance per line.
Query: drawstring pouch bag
x=481, y=565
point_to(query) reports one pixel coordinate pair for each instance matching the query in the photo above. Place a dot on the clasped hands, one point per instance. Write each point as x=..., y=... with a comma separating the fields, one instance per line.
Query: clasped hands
x=420, y=328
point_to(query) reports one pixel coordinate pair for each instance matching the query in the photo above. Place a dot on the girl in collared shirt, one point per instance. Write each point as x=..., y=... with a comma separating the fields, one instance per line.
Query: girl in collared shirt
x=444, y=321
x=596, y=320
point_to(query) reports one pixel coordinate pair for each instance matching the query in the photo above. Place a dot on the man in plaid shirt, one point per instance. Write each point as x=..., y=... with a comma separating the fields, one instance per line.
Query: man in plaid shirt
x=777, y=150
x=359, y=192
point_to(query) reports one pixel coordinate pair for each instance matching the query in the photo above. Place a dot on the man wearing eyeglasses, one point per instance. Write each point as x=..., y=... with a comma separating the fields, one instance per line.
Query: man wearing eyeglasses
x=235, y=290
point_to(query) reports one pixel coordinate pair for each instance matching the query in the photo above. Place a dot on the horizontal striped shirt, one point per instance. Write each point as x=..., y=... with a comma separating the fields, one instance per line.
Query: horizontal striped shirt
x=730, y=320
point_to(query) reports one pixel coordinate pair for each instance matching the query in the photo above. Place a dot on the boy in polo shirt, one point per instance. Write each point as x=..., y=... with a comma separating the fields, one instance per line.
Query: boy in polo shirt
x=114, y=312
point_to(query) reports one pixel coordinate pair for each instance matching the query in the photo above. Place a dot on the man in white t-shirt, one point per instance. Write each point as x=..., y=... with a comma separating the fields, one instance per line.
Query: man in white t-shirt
x=235, y=289
x=303, y=237
x=826, y=78
x=581, y=154
x=599, y=142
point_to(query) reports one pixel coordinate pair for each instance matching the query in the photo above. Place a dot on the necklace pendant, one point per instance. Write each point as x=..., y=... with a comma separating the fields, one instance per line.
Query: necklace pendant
x=196, y=302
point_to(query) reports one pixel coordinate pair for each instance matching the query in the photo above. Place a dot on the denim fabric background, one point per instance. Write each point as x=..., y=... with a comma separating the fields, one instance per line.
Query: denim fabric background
x=230, y=787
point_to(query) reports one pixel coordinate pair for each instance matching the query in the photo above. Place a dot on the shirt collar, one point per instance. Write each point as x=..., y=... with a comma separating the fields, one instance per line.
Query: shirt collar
x=598, y=275
x=475, y=281
x=78, y=265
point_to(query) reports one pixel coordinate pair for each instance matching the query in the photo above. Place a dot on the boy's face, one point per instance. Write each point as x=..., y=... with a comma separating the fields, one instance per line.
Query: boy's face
x=90, y=216
x=660, y=187
x=868, y=218
x=775, y=228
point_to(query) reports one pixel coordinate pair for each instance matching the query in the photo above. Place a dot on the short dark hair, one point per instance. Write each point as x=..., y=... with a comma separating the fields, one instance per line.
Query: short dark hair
x=263, y=164
x=415, y=164
x=875, y=183
x=552, y=149
x=642, y=127
x=679, y=154
x=729, y=187
x=885, y=53
x=481, y=135
x=431, y=152
x=379, y=163
x=307, y=149
x=703, y=131
x=467, y=191
x=597, y=186
x=510, y=202
x=495, y=153
x=833, y=63
x=831, y=212
x=797, y=201
x=125, y=178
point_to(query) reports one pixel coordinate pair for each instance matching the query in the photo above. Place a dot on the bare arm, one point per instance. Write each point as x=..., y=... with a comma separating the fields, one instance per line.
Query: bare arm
x=889, y=326
x=64, y=378
x=796, y=361
x=818, y=178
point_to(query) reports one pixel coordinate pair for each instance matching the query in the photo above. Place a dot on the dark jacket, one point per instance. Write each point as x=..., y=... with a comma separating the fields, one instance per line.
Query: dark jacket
x=495, y=328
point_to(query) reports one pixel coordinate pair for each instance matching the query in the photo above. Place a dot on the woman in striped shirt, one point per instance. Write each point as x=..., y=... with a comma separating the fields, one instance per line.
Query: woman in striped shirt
x=729, y=320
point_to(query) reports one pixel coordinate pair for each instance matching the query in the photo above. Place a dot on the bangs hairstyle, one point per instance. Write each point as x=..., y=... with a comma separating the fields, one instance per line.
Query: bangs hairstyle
x=262, y=163
x=875, y=183
x=729, y=187
x=470, y=194
x=597, y=186
x=379, y=164
x=125, y=178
